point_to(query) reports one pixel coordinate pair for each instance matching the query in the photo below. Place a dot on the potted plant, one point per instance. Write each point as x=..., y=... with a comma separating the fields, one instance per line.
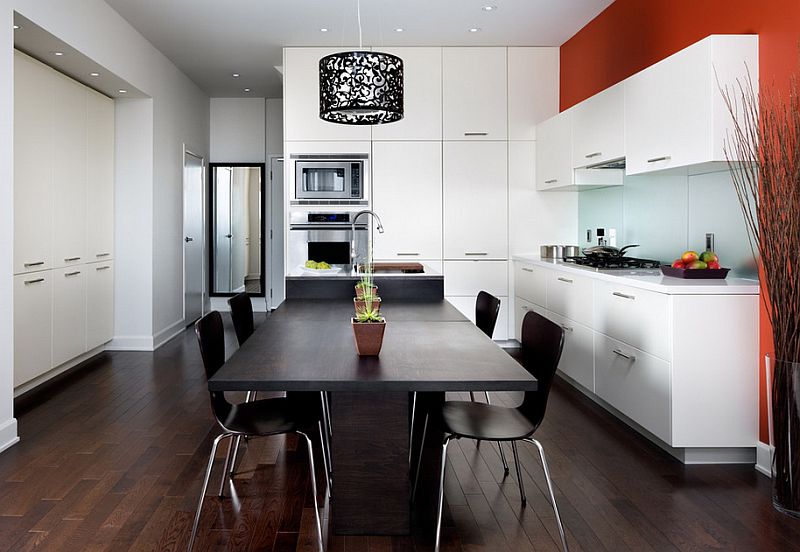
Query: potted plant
x=763, y=155
x=368, y=329
x=366, y=286
x=360, y=303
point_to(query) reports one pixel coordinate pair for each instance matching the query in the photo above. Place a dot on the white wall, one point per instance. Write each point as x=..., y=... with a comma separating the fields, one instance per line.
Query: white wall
x=238, y=130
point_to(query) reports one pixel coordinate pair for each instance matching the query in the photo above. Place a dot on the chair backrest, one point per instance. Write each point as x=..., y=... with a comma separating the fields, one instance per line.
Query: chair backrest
x=211, y=338
x=242, y=314
x=487, y=307
x=542, y=343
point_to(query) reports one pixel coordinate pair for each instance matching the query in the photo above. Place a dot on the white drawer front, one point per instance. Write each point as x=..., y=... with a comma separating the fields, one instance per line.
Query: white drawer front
x=637, y=386
x=530, y=283
x=637, y=317
x=467, y=278
x=466, y=305
x=33, y=297
x=69, y=313
x=522, y=308
x=570, y=296
x=577, y=358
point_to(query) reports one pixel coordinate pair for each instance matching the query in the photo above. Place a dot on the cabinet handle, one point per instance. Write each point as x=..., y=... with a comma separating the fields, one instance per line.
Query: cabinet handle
x=527, y=269
x=476, y=134
x=187, y=239
x=102, y=254
x=567, y=328
x=617, y=352
x=106, y=267
x=595, y=154
x=553, y=181
x=476, y=254
x=36, y=281
x=70, y=259
x=408, y=254
x=624, y=296
x=37, y=263
x=657, y=159
x=565, y=280
x=72, y=273
x=523, y=307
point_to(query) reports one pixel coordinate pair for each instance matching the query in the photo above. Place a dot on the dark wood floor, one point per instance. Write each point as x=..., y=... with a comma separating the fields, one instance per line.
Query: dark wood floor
x=111, y=459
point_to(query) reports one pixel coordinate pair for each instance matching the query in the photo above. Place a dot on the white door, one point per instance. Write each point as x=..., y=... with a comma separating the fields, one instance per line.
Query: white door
x=193, y=233
x=275, y=283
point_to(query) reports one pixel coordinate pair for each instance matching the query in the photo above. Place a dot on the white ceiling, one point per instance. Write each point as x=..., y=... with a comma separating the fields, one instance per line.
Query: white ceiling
x=211, y=39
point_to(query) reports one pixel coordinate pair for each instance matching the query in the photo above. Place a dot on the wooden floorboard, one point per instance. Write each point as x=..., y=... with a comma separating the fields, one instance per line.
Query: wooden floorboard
x=111, y=459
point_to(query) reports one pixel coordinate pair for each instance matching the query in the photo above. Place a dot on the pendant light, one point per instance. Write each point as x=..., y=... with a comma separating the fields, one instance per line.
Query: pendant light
x=361, y=87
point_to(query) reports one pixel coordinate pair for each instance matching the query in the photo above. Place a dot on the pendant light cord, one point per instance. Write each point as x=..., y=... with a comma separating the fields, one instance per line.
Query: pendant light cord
x=360, y=43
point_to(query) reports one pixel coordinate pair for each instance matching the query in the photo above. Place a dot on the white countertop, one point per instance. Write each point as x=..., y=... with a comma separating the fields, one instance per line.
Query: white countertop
x=429, y=272
x=651, y=280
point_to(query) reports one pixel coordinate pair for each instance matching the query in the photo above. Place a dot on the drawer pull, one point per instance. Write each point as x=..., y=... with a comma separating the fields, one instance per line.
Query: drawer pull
x=617, y=352
x=567, y=328
x=657, y=159
x=106, y=267
x=37, y=263
x=70, y=259
x=72, y=273
x=553, y=181
x=102, y=254
x=476, y=134
x=527, y=269
x=408, y=254
x=523, y=307
x=476, y=254
x=565, y=280
x=36, y=281
x=624, y=296
x=595, y=154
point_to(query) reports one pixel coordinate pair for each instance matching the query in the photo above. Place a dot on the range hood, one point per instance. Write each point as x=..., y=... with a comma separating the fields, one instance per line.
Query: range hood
x=611, y=164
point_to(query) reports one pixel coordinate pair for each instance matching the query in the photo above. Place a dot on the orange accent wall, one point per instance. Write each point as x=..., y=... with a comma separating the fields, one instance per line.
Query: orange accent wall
x=630, y=35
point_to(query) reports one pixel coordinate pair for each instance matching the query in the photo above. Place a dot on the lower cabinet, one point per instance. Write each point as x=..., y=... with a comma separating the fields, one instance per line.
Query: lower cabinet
x=33, y=299
x=99, y=304
x=69, y=313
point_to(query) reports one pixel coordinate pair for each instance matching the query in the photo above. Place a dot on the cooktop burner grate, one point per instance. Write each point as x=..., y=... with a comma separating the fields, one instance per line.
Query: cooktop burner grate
x=613, y=262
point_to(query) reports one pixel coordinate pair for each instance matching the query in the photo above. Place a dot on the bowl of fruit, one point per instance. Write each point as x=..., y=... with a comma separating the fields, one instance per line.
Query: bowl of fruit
x=704, y=266
x=318, y=268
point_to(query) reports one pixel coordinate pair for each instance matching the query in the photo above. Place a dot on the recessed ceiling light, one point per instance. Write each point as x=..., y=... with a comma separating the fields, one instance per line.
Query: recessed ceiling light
x=121, y=91
x=236, y=75
x=489, y=8
x=475, y=30
x=94, y=74
x=399, y=30
x=247, y=90
x=323, y=30
x=17, y=27
x=58, y=53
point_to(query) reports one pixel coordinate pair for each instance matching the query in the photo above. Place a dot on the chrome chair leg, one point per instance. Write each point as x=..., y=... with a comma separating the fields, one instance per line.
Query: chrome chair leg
x=327, y=406
x=503, y=459
x=441, y=492
x=488, y=400
x=314, y=489
x=325, y=460
x=519, y=473
x=225, y=468
x=326, y=425
x=235, y=454
x=552, y=494
x=205, y=486
x=472, y=396
x=419, y=459
x=411, y=431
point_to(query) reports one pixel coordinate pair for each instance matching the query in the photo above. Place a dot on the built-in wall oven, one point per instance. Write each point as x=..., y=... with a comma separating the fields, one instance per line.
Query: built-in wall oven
x=325, y=236
x=329, y=177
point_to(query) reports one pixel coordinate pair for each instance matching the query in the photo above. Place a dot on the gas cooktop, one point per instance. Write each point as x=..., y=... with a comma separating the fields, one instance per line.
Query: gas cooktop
x=613, y=263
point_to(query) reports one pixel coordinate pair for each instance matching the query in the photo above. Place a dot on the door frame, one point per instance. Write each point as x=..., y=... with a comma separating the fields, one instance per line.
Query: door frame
x=204, y=263
x=276, y=232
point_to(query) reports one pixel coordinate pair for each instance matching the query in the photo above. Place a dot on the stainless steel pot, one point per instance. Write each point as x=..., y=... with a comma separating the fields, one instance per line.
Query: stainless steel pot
x=571, y=251
x=551, y=251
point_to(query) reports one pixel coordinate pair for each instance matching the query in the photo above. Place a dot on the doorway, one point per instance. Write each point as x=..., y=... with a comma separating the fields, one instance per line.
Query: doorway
x=193, y=236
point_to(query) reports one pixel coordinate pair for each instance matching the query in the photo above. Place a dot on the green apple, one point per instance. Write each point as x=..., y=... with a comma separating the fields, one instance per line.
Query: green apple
x=709, y=257
x=697, y=265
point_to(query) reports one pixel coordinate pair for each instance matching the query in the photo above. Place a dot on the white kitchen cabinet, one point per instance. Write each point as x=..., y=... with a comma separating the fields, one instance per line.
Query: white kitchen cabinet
x=474, y=93
x=69, y=313
x=422, y=96
x=476, y=200
x=301, y=99
x=69, y=157
x=533, y=74
x=598, y=133
x=472, y=277
x=410, y=207
x=99, y=303
x=570, y=296
x=675, y=116
x=466, y=305
x=577, y=356
x=99, y=177
x=521, y=308
x=554, y=152
x=530, y=283
x=33, y=297
x=33, y=174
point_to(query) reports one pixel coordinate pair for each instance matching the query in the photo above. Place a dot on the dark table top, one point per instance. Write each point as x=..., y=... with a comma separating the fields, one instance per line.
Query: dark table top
x=307, y=345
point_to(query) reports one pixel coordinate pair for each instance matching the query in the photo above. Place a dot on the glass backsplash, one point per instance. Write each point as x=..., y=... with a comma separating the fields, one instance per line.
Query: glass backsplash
x=668, y=214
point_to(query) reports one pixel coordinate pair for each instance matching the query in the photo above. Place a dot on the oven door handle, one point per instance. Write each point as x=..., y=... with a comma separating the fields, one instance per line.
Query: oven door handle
x=325, y=227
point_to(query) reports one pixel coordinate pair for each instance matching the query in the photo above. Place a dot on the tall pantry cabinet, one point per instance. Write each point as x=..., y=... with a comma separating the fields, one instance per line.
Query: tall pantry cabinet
x=63, y=221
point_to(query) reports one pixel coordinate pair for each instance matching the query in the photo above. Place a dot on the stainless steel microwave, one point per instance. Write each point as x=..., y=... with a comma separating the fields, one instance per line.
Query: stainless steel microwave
x=329, y=176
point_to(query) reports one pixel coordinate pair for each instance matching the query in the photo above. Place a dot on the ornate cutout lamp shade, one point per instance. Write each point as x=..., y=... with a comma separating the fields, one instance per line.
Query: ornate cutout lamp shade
x=361, y=88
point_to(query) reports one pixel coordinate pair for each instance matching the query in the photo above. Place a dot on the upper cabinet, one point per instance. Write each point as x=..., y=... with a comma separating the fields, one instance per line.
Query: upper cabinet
x=675, y=114
x=553, y=152
x=422, y=96
x=301, y=99
x=598, y=133
x=474, y=90
x=532, y=89
x=100, y=177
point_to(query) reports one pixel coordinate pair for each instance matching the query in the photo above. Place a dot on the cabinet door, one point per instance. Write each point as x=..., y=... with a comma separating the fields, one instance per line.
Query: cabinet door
x=301, y=99
x=99, y=304
x=554, y=152
x=33, y=170
x=577, y=357
x=532, y=90
x=100, y=177
x=475, y=200
x=523, y=307
x=570, y=296
x=33, y=297
x=530, y=283
x=69, y=313
x=598, y=132
x=472, y=277
x=69, y=172
x=407, y=195
x=466, y=305
x=474, y=91
x=422, y=96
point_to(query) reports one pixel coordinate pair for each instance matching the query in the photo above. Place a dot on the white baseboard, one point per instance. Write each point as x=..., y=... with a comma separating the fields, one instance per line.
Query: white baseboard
x=50, y=374
x=168, y=333
x=131, y=343
x=8, y=434
x=764, y=458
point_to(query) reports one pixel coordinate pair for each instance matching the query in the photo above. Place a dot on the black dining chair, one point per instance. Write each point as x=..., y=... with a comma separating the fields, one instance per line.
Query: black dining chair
x=260, y=418
x=242, y=315
x=542, y=343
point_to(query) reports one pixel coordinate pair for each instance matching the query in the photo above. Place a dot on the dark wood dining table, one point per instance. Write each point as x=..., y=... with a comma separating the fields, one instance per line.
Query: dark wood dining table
x=429, y=348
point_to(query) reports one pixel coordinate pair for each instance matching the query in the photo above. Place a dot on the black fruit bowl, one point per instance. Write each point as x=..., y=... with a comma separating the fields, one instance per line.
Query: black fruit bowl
x=695, y=274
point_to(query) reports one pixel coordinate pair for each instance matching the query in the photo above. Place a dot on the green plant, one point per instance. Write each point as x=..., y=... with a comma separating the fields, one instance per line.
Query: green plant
x=368, y=314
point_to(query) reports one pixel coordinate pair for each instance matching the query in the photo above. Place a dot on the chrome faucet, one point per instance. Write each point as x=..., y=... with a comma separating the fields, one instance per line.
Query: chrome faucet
x=353, y=252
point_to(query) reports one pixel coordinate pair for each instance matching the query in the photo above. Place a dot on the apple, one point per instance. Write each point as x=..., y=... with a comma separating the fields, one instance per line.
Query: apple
x=677, y=263
x=697, y=265
x=708, y=257
x=714, y=265
x=689, y=257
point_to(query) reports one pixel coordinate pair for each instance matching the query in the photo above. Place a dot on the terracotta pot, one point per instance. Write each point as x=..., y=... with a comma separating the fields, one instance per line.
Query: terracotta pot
x=368, y=336
x=360, y=291
x=361, y=304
